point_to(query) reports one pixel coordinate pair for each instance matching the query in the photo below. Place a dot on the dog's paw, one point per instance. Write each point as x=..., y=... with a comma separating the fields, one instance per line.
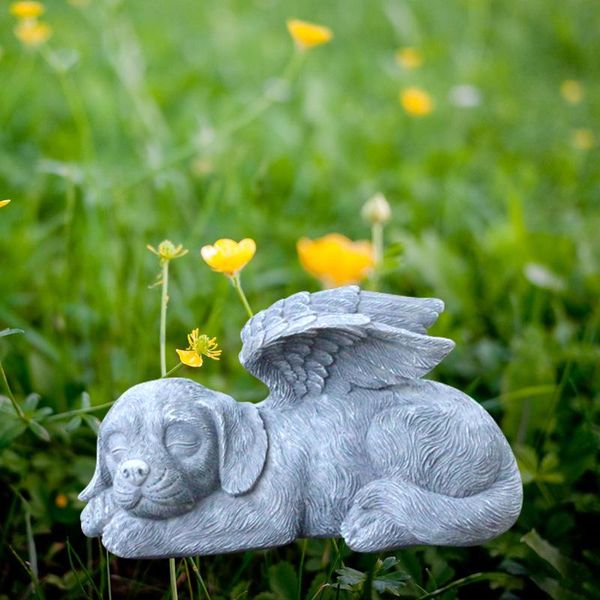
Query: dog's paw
x=370, y=525
x=96, y=514
x=127, y=536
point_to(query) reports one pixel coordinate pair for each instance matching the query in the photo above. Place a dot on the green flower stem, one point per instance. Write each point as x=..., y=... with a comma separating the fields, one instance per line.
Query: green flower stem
x=173, y=575
x=164, y=300
x=13, y=400
x=377, y=241
x=109, y=585
x=80, y=411
x=235, y=280
x=171, y=371
x=377, y=238
x=196, y=570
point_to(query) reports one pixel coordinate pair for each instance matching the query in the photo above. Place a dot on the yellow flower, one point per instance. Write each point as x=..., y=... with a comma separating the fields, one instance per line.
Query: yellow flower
x=409, y=58
x=199, y=345
x=4, y=203
x=416, y=102
x=33, y=33
x=307, y=35
x=61, y=501
x=583, y=139
x=227, y=256
x=167, y=250
x=335, y=260
x=571, y=91
x=27, y=9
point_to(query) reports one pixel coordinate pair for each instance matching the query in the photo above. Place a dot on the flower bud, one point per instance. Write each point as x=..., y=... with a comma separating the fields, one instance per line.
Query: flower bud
x=376, y=210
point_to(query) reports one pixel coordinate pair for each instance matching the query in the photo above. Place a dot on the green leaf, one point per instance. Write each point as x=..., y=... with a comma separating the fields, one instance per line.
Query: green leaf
x=31, y=402
x=387, y=563
x=574, y=574
x=39, y=431
x=283, y=581
x=391, y=582
x=7, y=332
x=350, y=577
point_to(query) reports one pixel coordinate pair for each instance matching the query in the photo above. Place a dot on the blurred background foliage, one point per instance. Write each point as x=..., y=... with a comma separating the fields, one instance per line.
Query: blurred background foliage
x=138, y=121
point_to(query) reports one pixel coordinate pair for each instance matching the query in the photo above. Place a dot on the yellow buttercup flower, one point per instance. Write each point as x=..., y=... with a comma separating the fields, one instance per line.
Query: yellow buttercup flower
x=571, y=91
x=335, y=260
x=4, y=203
x=27, y=10
x=227, y=256
x=409, y=58
x=199, y=345
x=416, y=102
x=583, y=139
x=61, y=501
x=167, y=250
x=307, y=35
x=33, y=33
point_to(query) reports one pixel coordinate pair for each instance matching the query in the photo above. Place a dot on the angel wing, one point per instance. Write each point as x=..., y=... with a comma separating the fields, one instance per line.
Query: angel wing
x=327, y=342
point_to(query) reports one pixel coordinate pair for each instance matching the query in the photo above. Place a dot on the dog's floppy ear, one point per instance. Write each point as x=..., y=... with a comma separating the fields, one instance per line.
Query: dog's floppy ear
x=100, y=480
x=242, y=443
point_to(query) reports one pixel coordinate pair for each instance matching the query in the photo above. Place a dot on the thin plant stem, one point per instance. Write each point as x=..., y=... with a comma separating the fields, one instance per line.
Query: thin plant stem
x=171, y=371
x=189, y=579
x=301, y=568
x=108, y=582
x=196, y=570
x=377, y=241
x=13, y=400
x=164, y=300
x=235, y=280
x=377, y=237
x=80, y=411
x=173, y=576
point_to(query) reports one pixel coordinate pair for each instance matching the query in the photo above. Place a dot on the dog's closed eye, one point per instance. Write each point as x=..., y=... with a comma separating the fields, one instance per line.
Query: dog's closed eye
x=182, y=440
x=117, y=446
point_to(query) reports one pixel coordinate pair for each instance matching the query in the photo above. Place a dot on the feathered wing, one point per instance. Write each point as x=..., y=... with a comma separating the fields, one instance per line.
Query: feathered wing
x=327, y=342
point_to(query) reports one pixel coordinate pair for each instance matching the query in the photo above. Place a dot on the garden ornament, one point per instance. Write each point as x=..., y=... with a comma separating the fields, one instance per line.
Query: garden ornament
x=350, y=442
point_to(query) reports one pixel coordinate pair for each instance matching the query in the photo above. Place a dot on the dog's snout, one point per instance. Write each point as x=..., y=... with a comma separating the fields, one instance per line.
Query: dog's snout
x=135, y=471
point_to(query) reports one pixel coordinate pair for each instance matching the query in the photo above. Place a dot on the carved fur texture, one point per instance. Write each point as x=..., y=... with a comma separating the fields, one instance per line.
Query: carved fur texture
x=350, y=442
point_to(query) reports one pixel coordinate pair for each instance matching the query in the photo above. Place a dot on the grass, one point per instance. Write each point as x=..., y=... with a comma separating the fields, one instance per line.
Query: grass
x=137, y=123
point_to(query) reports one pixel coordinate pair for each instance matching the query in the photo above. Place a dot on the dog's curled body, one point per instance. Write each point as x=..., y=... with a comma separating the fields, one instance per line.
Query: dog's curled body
x=351, y=443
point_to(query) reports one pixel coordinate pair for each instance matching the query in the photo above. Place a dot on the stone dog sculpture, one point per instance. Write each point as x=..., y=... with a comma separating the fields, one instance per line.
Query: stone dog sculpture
x=350, y=442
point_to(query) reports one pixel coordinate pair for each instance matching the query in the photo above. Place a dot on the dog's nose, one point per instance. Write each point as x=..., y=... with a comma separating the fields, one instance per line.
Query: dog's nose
x=135, y=471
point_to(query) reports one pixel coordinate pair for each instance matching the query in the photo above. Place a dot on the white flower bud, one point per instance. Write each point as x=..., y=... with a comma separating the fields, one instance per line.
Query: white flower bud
x=376, y=210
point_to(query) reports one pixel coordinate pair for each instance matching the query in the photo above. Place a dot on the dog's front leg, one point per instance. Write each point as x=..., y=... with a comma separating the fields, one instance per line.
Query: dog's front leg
x=218, y=524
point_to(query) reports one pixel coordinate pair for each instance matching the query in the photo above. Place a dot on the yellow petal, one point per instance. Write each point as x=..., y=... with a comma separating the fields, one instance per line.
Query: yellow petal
x=416, y=102
x=336, y=260
x=583, y=139
x=190, y=358
x=33, y=33
x=27, y=9
x=227, y=256
x=409, y=58
x=572, y=91
x=307, y=35
x=4, y=203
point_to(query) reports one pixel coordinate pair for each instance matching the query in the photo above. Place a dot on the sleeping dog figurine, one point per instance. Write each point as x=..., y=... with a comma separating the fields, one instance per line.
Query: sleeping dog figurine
x=350, y=442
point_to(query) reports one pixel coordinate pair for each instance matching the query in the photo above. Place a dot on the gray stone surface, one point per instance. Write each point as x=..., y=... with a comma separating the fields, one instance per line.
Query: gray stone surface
x=350, y=442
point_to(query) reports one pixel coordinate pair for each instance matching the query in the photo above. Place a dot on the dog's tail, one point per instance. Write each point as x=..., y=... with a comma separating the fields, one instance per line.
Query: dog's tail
x=467, y=521
x=416, y=516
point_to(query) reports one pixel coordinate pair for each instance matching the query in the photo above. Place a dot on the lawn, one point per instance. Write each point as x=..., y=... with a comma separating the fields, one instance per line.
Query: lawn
x=193, y=121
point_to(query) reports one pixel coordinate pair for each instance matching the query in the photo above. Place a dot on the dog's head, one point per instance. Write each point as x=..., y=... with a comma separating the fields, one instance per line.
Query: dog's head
x=167, y=444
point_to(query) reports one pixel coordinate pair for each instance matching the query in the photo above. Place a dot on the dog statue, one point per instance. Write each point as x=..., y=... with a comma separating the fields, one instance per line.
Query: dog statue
x=350, y=442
